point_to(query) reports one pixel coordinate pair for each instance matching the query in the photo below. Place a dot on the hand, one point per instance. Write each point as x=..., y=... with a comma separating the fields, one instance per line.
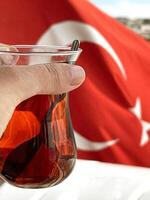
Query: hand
x=18, y=83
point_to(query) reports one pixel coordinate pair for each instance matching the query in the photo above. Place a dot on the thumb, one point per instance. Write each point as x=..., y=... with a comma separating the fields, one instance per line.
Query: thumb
x=22, y=82
x=54, y=78
x=59, y=78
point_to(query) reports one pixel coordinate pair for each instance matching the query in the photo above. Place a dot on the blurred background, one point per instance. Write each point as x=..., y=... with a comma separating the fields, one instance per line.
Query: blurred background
x=133, y=13
x=110, y=111
x=114, y=119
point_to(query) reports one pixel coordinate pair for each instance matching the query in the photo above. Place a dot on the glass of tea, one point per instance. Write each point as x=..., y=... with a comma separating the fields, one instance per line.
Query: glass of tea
x=38, y=148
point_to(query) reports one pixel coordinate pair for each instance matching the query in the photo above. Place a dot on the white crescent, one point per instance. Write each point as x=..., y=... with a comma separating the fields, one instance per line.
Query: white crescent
x=87, y=145
x=65, y=32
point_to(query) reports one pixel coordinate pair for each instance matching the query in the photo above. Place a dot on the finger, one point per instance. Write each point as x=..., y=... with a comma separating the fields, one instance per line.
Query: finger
x=22, y=82
x=37, y=79
x=5, y=58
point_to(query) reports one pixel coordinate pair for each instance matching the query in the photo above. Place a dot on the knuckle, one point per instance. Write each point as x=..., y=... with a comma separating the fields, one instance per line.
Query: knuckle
x=52, y=71
x=53, y=75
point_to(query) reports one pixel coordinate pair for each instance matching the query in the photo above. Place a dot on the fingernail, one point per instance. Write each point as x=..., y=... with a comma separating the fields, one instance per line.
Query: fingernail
x=8, y=59
x=77, y=75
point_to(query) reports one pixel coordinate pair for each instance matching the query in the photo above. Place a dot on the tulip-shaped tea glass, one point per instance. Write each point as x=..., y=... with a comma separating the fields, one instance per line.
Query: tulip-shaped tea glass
x=38, y=147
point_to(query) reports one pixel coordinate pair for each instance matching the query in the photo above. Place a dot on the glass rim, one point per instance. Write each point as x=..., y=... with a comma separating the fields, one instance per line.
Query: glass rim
x=64, y=50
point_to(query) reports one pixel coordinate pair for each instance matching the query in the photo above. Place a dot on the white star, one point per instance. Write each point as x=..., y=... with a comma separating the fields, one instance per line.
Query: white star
x=145, y=125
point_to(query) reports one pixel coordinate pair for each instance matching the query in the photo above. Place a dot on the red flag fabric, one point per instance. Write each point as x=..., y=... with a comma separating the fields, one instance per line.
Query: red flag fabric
x=110, y=112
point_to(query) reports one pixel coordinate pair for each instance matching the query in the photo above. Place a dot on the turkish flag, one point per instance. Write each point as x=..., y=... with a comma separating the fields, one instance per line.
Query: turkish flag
x=110, y=112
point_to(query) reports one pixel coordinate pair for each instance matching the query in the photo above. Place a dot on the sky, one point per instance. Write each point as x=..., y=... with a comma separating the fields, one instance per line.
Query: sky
x=126, y=8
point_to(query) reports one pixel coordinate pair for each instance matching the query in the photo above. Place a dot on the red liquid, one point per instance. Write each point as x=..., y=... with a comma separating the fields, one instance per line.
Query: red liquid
x=38, y=148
